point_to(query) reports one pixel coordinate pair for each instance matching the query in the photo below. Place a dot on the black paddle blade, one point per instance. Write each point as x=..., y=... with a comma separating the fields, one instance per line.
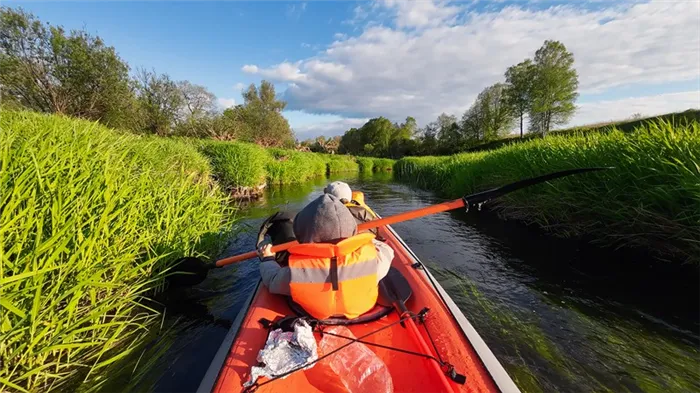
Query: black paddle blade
x=188, y=271
x=393, y=289
x=500, y=191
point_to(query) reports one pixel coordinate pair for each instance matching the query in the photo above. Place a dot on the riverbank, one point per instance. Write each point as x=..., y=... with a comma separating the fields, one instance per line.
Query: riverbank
x=91, y=220
x=649, y=201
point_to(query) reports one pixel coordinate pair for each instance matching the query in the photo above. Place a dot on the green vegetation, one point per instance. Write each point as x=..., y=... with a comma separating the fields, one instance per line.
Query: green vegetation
x=366, y=164
x=237, y=164
x=90, y=221
x=383, y=164
x=48, y=70
x=289, y=166
x=651, y=199
x=341, y=163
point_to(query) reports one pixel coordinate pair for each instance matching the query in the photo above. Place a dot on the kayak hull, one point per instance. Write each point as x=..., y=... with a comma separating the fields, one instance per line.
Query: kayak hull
x=456, y=341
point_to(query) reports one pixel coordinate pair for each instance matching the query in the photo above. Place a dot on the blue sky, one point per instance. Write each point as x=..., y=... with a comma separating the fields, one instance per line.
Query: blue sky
x=340, y=63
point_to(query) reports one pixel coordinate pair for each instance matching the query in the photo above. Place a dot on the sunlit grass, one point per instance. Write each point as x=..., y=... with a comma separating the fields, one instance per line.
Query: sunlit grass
x=383, y=164
x=89, y=221
x=650, y=200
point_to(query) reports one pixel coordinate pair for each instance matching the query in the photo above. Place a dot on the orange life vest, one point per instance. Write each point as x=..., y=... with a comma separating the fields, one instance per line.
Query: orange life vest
x=335, y=279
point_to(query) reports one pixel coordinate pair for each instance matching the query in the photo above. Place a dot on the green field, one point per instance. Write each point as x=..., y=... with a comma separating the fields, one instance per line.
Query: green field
x=650, y=200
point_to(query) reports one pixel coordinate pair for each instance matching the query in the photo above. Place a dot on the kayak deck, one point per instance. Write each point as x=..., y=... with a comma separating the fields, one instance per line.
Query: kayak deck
x=410, y=373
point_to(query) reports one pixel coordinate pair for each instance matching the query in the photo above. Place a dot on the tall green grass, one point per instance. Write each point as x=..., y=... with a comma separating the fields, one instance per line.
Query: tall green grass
x=237, y=164
x=341, y=163
x=89, y=221
x=650, y=200
x=365, y=164
x=383, y=164
x=289, y=166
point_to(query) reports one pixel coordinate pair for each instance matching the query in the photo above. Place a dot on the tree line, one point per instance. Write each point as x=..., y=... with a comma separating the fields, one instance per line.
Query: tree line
x=543, y=89
x=47, y=69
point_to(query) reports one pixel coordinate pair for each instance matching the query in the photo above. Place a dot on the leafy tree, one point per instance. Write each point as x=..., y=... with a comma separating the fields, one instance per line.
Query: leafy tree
x=160, y=101
x=76, y=74
x=428, y=140
x=449, y=133
x=490, y=117
x=261, y=117
x=198, y=102
x=519, y=80
x=554, y=87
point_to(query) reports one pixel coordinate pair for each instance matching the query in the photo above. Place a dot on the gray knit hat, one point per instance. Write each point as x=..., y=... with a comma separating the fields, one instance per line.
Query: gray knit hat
x=339, y=189
x=323, y=220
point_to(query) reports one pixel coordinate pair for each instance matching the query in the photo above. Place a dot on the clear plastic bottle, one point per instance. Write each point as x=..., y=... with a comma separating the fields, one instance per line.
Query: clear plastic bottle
x=357, y=368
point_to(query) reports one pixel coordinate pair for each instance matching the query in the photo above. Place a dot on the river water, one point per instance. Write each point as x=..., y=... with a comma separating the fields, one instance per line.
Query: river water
x=560, y=315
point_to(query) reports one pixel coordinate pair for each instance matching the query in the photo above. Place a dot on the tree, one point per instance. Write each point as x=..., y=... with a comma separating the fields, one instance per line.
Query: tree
x=76, y=74
x=160, y=101
x=427, y=139
x=554, y=86
x=261, y=117
x=490, y=116
x=449, y=134
x=198, y=102
x=519, y=79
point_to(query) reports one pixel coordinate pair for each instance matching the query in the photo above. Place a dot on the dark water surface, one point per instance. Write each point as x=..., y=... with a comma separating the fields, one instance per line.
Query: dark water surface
x=559, y=315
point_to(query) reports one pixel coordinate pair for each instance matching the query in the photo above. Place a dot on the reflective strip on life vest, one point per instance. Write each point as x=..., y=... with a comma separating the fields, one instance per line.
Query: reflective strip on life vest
x=310, y=275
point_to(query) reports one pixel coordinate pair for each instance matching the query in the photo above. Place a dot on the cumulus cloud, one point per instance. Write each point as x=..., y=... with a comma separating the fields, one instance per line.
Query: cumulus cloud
x=411, y=13
x=225, y=102
x=435, y=57
x=327, y=128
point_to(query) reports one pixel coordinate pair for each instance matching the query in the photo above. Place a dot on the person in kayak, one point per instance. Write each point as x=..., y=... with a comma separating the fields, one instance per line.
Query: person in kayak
x=333, y=271
x=358, y=210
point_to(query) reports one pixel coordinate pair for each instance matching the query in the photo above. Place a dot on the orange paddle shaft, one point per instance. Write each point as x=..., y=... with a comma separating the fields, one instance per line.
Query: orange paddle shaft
x=409, y=215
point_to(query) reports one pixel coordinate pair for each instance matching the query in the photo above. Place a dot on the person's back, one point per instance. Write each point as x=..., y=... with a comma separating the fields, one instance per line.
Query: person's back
x=332, y=271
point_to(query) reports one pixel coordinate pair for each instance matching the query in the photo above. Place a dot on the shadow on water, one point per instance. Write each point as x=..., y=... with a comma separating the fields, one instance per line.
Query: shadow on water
x=560, y=315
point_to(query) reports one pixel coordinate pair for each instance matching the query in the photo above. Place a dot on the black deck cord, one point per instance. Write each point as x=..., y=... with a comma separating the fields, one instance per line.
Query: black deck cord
x=256, y=385
x=406, y=351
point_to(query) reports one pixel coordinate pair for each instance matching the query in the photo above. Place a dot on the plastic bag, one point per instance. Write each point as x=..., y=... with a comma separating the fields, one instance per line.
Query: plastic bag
x=356, y=367
x=285, y=351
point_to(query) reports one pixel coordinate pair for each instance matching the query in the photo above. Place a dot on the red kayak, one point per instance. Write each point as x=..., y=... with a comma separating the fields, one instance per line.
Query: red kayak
x=429, y=346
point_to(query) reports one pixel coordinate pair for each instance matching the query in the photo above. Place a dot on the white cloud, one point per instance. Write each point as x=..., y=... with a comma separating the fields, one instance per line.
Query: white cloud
x=251, y=69
x=433, y=59
x=225, y=102
x=327, y=128
x=602, y=111
x=411, y=13
x=239, y=86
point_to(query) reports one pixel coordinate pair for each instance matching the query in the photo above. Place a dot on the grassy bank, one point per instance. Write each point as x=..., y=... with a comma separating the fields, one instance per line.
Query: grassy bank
x=675, y=119
x=239, y=165
x=90, y=220
x=651, y=199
